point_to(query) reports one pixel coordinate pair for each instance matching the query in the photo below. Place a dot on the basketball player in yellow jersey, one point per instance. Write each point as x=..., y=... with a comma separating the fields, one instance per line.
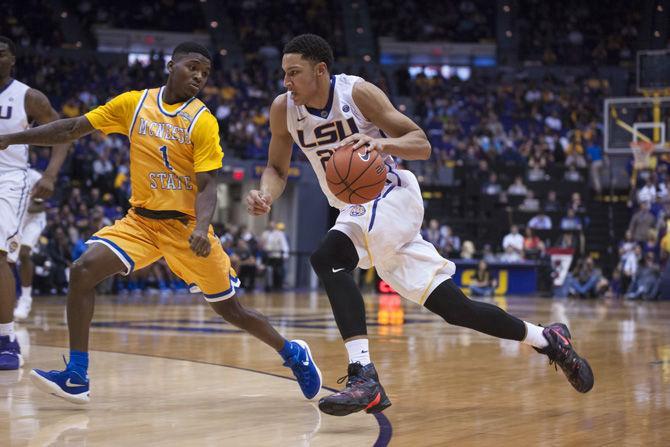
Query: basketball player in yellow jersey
x=174, y=156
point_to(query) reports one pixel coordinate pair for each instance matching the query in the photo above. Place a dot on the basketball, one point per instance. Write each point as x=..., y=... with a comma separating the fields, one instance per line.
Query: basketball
x=355, y=176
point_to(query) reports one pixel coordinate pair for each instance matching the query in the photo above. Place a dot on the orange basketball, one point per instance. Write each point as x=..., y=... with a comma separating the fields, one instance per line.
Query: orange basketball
x=355, y=176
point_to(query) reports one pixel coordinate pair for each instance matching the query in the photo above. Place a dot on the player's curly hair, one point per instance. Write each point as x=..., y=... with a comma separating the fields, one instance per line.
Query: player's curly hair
x=191, y=47
x=312, y=47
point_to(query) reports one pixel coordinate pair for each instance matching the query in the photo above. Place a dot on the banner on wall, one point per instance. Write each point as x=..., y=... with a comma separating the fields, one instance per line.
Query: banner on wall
x=561, y=259
x=513, y=279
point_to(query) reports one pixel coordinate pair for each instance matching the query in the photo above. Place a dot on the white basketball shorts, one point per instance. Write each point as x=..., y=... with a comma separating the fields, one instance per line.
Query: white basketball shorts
x=14, y=197
x=386, y=234
x=31, y=229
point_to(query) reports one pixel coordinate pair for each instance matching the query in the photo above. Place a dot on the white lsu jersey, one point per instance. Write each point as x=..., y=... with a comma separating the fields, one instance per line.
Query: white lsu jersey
x=13, y=118
x=318, y=131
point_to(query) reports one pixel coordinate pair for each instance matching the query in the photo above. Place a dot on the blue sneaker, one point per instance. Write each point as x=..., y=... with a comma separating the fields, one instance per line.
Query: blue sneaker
x=305, y=370
x=68, y=384
x=10, y=354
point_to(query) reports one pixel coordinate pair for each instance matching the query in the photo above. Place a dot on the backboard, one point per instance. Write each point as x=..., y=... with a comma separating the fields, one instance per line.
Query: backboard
x=631, y=119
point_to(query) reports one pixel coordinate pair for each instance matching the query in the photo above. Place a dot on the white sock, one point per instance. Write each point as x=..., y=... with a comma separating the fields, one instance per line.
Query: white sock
x=26, y=292
x=7, y=329
x=358, y=351
x=534, y=336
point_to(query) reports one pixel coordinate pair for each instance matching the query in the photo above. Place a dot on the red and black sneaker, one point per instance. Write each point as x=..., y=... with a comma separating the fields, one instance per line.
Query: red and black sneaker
x=363, y=392
x=561, y=352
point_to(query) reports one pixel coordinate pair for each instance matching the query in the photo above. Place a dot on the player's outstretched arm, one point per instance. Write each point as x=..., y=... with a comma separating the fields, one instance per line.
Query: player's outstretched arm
x=406, y=141
x=205, y=204
x=275, y=175
x=62, y=131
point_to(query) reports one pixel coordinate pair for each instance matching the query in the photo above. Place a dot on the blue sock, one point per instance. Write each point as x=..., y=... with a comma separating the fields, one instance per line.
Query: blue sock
x=78, y=362
x=289, y=350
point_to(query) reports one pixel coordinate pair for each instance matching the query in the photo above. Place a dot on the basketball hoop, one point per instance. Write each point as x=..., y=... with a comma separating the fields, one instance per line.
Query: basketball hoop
x=642, y=151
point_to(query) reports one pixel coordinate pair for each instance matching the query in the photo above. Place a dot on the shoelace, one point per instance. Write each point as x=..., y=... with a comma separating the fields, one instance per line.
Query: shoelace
x=8, y=351
x=574, y=366
x=351, y=379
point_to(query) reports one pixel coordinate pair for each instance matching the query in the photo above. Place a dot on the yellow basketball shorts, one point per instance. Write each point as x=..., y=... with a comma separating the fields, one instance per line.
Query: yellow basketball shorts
x=139, y=241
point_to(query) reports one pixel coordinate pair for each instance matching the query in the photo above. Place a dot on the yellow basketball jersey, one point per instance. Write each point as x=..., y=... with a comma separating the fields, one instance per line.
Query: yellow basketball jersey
x=169, y=144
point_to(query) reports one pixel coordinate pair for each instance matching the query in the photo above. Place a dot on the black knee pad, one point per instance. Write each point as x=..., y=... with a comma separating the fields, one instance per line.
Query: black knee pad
x=448, y=301
x=335, y=252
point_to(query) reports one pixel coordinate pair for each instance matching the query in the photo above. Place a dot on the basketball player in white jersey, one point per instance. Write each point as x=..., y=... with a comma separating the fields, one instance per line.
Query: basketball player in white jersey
x=20, y=106
x=320, y=113
x=33, y=223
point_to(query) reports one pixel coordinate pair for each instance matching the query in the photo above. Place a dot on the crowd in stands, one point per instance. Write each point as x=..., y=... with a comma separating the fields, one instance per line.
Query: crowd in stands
x=550, y=33
x=165, y=15
x=642, y=254
x=422, y=20
x=265, y=26
x=534, y=123
x=31, y=23
x=576, y=32
x=505, y=139
x=513, y=140
x=645, y=250
x=566, y=33
x=510, y=138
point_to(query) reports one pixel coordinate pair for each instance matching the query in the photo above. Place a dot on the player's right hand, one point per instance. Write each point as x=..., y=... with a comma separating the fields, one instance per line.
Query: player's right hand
x=3, y=143
x=258, y=203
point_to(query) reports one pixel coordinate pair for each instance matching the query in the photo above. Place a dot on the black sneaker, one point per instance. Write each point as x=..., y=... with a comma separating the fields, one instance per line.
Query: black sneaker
x=561, y=353
x=363, y=392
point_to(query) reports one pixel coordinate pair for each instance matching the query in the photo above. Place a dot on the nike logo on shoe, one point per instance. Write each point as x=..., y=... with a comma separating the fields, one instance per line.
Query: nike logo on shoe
x=337, y=270
x=375, y=401
x=306, y=361
x=565, y=340
x=69, y=384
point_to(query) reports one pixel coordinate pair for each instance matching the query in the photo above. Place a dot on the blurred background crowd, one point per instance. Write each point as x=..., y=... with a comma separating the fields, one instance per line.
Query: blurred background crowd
x=525, y=145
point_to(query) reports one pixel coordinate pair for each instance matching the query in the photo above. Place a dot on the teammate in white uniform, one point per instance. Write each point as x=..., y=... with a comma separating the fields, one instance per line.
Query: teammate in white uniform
x=20, y=106
x=320, y=113
x=33, y=223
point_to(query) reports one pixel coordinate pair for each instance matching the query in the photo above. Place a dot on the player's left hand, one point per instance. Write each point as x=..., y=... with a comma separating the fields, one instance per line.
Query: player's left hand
x=44, y=188
x=200, y=243
x=359, y=140
x=3, y=143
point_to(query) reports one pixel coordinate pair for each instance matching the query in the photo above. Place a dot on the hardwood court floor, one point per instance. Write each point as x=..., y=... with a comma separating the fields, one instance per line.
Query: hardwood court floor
x=167, y=371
